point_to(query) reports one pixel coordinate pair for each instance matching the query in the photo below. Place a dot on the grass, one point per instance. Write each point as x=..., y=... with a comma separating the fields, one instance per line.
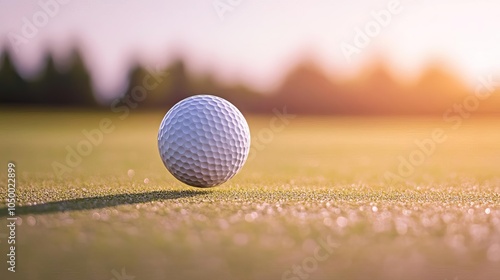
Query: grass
x=317, y=181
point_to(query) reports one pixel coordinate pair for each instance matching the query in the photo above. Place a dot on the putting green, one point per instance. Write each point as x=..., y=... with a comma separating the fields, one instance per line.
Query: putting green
x=312, y=202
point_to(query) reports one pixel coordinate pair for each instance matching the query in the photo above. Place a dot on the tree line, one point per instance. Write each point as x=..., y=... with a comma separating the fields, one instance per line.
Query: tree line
x=306, y=89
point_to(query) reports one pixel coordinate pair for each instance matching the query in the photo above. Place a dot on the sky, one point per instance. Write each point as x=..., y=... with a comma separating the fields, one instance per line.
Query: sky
x=255, y=41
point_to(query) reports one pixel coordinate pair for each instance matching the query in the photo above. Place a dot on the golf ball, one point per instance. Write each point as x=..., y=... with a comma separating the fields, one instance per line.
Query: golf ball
x=204, y=141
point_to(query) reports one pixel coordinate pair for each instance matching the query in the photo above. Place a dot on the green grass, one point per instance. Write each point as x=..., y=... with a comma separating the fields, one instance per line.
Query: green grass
x=318, y=179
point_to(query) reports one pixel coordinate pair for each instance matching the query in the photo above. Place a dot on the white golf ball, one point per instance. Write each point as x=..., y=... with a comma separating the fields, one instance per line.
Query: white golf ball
x=204, y=141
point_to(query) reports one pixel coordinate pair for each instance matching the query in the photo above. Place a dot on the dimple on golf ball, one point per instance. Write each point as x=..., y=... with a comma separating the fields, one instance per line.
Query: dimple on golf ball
x=204, y=141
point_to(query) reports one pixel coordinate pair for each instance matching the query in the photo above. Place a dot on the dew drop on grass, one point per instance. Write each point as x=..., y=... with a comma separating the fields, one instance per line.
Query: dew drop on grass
x=327, y=222
x=342, y=222
x=131, y=173
x=31, y=220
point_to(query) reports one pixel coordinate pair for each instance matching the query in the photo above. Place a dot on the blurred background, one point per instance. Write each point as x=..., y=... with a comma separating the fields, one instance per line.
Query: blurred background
x=315, y=57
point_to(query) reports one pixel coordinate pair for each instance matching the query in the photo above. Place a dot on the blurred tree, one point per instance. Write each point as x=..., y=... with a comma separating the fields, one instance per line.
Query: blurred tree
x=79, y=82
x=240, y=95
x=436, y=90
x=13, y=88
x=67, y=87
x=146, y=88
x=160, y=88
x=376, y=91
x=305, y=90
x=180, y=83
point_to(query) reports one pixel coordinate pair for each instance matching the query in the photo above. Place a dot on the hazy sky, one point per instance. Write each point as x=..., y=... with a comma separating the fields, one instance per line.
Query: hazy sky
x=256, y=39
